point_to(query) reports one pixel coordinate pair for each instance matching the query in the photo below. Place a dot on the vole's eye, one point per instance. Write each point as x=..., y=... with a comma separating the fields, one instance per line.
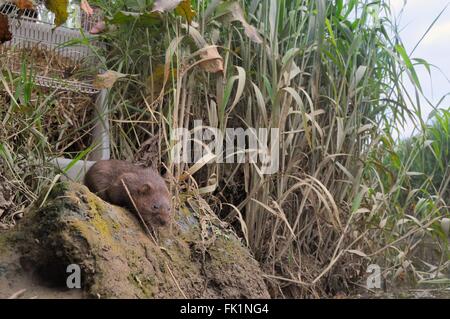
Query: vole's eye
x=155, y=206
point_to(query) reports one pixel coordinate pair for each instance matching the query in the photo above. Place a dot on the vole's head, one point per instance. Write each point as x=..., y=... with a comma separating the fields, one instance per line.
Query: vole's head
x=153, y=202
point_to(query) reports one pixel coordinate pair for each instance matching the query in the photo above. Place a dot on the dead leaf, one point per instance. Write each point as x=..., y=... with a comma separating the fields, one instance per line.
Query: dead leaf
x=383, y=222
x=106, y=80
x=59, y=8
x=86, y=7
x=213, y=60
x=182, y=8
x=5, y=34
x=288, y=75
x=24, y=4
x=237, y=14
x=357, y=252
x=250, y=31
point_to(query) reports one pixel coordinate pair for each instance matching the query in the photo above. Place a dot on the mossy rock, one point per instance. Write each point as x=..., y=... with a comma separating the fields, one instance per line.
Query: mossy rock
x=194, y=257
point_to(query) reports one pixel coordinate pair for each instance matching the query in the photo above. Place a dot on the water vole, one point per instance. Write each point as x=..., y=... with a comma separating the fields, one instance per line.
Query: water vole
x=146, y=186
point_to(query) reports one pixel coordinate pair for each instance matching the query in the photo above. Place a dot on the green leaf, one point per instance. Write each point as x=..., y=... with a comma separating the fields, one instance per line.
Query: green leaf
x=59, y=8
x=401, y=50
x=185, y=10
x=424, y=63
x=77, y=158
x=357, y=201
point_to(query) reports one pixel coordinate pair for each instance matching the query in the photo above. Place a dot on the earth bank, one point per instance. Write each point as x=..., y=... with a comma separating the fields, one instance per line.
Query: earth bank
x=196, y=257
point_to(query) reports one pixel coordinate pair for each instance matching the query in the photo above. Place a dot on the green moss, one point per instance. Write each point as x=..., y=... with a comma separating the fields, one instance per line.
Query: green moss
x=225, y=252
x=136, y=281
x=103, y=226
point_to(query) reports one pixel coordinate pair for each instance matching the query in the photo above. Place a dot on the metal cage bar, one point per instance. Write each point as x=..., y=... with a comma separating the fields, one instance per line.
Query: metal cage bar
x=30, y=31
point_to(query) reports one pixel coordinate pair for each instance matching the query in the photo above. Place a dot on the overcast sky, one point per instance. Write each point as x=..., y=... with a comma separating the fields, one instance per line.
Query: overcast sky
x=435, y=48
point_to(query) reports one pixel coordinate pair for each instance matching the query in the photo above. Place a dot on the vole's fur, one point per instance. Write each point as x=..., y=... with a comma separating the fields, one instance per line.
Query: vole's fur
x=147, y=188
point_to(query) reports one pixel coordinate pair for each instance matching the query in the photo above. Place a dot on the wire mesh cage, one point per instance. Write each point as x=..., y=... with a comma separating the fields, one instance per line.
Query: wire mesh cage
x=57, y=60
x=56, y=57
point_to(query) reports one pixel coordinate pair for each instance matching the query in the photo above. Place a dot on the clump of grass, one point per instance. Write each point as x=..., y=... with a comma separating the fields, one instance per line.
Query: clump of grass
x=36, y=126
x=428, y=157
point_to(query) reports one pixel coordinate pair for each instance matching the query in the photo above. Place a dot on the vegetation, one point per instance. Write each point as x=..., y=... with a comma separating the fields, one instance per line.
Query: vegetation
x=429, y=154
x=330, y=75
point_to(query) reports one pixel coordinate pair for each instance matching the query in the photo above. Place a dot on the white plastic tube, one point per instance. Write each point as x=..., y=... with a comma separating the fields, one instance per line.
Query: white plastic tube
x=76, y=172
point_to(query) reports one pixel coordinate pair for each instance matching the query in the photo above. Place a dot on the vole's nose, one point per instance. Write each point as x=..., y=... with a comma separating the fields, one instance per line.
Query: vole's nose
x=163, y=219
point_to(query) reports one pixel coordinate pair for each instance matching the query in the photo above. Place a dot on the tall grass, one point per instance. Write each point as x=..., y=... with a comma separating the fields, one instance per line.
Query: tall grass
x=24, y=146
x=430, y=157
x=330, y=76
x=37, y=125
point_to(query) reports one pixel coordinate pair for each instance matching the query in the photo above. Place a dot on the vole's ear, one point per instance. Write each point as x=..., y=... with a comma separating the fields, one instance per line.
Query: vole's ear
x=146, y=188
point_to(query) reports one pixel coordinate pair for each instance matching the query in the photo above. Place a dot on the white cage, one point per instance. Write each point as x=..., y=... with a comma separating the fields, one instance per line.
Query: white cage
x=32, y=32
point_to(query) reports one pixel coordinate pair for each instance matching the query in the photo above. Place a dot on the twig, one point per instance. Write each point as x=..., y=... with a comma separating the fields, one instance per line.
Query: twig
x=17, y=294
x=139, y=213
x=176, y=282
x=298, y=282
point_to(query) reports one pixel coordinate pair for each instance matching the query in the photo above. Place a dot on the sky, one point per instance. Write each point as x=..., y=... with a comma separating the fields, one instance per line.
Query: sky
x=416, y=18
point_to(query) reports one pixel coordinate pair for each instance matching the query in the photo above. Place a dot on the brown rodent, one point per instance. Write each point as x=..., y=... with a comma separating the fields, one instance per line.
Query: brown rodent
x=147, y=188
